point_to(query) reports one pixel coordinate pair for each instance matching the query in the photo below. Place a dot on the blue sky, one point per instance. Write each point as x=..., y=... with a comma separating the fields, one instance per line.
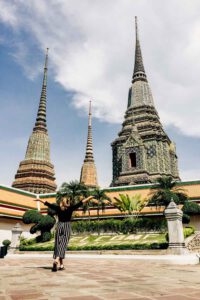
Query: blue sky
x=91, y=57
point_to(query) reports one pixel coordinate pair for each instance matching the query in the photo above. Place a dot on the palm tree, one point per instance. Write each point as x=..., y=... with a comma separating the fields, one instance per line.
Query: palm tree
x=167, y=190
x=100, y=200
x=73, y=190
x=86, y=208
x=130, y=205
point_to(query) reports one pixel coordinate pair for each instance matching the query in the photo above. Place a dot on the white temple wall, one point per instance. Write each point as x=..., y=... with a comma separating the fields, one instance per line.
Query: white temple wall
x=6, y=226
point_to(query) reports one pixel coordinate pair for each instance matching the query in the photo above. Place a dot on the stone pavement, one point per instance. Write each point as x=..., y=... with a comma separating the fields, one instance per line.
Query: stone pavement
x=30, y=277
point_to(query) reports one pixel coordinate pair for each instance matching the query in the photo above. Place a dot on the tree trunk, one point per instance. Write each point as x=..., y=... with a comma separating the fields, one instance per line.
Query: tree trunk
x=89, y=214
x=98, y=221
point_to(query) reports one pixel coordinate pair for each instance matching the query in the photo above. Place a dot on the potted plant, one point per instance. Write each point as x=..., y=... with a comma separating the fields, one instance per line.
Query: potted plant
x=4, y=248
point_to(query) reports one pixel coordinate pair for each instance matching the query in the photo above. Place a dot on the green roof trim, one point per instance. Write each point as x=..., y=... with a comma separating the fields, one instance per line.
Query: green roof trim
x=145, y=186
x=14, y=190
x=47, y=196
x=109, y=189
x=10, y=215
x=14, y=204
x=129, y=188
x=188, y=182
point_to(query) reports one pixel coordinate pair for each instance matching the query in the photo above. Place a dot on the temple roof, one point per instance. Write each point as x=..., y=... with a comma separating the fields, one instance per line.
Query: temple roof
x=14, y=202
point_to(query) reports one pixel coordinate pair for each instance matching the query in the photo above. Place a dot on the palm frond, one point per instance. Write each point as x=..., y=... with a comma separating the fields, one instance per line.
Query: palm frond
x=130, y=205
x=73, y=190
x=167, y=190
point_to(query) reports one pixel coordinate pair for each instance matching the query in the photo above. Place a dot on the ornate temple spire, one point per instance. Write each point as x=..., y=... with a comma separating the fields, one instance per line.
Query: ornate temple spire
x=36, y=172
x=139, y=72
x=40, y=123
x=88, y=171
x=89, y=146
x=139, y=92
x=142, y=152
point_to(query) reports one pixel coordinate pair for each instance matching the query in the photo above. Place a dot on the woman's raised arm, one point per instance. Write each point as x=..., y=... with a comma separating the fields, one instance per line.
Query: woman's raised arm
x=50, y=205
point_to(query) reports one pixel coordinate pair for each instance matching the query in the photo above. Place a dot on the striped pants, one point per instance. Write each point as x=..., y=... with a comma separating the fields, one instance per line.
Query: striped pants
x=61, y=239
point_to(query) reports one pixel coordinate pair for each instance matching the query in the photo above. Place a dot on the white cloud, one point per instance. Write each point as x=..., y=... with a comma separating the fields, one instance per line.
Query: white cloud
x=191, y=174
x=8, y=13
x=92, y=51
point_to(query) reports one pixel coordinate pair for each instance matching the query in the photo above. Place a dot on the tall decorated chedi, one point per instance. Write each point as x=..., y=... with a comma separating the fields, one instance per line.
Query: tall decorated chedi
x=142, y=151
x=36, y=173
x=88, y=171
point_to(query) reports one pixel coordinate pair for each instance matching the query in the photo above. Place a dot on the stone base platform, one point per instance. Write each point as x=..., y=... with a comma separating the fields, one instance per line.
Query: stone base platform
x=187, y=259
x=97, y=277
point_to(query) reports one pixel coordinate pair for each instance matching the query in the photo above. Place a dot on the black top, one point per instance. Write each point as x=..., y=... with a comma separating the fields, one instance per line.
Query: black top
x=63, y=215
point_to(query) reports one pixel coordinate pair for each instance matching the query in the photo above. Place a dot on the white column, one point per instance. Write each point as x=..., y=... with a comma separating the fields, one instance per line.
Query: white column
x=16, y=233
x=175, y=229
x=38, y=203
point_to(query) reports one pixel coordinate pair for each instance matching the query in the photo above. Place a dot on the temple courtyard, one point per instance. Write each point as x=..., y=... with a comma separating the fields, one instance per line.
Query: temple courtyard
x=96, y=277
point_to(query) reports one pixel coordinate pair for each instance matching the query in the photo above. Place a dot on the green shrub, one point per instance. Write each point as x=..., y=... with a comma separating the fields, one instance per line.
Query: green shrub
x=53, y=234
x=111, y=225
x=36, y=248
x=125, y=226
x=191, y=208
x=44, y=224
x=46, y=236
x=34, y=228
x=128, y=226
x=79, y=227
x=22, y=238
x=187, y=231
x=186, y=219
x=145, y=246
x=6, y=243
x=32, y=216
x=27, y=242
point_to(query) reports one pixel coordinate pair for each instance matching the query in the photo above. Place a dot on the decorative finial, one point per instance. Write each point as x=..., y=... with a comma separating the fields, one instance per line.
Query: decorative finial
x=139, y=72
x=136, y=28
x=40, y=123
x=46, y=58
x=90, y=107
x=90, y=114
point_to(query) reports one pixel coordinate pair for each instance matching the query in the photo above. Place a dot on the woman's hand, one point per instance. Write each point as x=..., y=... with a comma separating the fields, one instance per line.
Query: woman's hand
x=87, y=199
x=39, y=200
